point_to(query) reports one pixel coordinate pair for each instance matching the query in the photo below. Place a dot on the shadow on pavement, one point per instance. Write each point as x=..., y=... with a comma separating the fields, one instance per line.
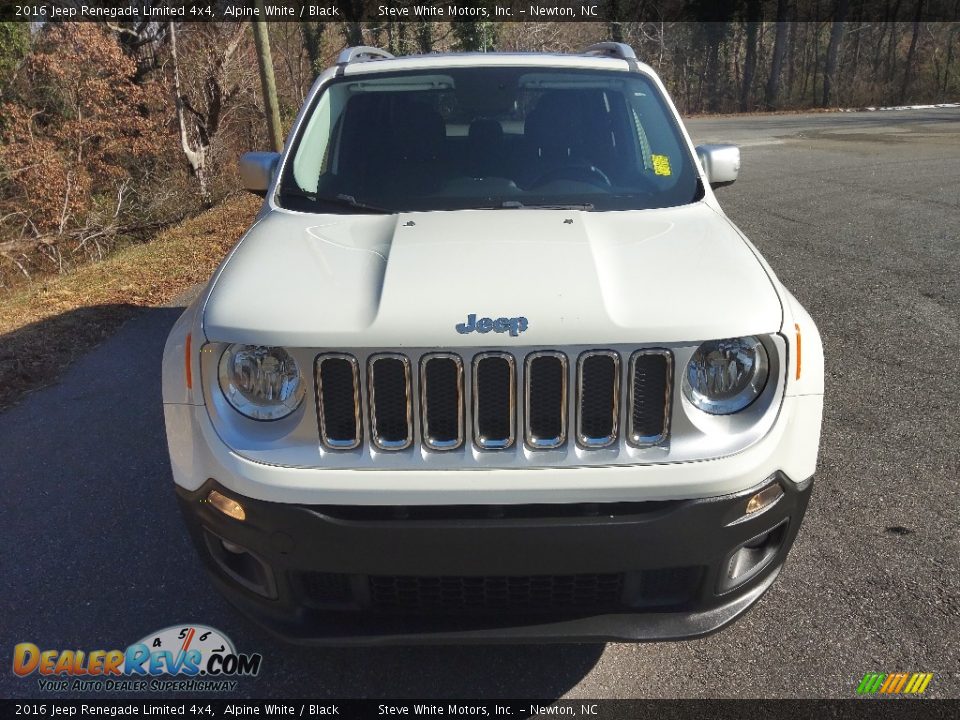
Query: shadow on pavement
x=96, y=555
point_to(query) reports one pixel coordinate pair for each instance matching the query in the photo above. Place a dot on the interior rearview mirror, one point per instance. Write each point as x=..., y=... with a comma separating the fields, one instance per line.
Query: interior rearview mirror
x=720, y=162
x=256, y=171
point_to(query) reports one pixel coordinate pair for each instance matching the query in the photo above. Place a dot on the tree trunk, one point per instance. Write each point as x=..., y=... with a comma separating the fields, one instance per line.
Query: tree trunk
x=911, y=52
x=779, y=51
x=714, y=35
x=312, y=33
x=833, y=50
x=268, y=82
x=614, y=28
x=750, y=59
x=196, y=157
x=792, y=55
x=424, y=36
x=946, y=65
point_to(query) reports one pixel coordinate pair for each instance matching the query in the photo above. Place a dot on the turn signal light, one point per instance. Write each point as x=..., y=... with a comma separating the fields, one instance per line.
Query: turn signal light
x=228, y=507
x=764, y=499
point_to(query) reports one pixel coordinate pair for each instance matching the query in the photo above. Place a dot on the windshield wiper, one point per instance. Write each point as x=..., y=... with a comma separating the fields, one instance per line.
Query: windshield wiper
x=513, y=204
x=341, y=200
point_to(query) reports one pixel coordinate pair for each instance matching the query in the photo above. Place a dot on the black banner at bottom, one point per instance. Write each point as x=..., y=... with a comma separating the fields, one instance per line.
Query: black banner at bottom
x=875, y=709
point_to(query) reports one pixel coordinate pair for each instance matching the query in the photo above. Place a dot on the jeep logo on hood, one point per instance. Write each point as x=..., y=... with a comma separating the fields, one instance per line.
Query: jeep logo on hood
x=514, y=325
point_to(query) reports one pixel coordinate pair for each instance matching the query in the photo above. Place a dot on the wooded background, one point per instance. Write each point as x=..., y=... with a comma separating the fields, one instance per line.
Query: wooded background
x=109, y=132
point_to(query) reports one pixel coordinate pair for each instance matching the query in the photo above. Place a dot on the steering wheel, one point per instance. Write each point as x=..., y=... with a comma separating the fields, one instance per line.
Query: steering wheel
x=582, y=173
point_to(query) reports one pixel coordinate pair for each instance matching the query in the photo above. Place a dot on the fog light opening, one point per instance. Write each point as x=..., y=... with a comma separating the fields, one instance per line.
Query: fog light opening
x=229, y=507
x=752, y=557
x=232, y=547
x=764, y=499
x=241, y=565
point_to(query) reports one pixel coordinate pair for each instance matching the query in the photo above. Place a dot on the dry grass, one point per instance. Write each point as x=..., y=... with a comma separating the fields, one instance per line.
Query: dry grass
x=46, y=325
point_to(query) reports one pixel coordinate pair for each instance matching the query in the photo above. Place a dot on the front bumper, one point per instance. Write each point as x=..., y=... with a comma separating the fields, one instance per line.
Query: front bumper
x=653, y=570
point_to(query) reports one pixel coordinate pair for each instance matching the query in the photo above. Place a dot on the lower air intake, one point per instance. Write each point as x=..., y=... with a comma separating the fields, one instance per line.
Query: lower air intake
x=487, y=593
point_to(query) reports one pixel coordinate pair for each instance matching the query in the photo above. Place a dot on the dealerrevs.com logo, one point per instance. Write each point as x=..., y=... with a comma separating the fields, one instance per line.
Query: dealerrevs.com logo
x=187, y=658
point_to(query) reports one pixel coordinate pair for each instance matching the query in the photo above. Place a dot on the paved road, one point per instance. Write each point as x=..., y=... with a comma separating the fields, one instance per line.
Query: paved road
x=858, y=213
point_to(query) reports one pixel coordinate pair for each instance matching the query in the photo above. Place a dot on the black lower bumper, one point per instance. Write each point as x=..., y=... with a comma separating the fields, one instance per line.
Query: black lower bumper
x=581, y=572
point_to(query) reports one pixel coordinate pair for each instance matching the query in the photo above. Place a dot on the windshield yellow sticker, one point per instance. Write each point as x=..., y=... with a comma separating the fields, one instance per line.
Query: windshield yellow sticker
x=661, y=164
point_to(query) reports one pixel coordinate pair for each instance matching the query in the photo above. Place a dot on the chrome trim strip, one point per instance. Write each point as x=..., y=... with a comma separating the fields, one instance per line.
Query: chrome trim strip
x=494, y=443
x=428, y=442
x=649, y=440
x=536, y=443
x=593, y=443
x=328, y=442
x=375, y=438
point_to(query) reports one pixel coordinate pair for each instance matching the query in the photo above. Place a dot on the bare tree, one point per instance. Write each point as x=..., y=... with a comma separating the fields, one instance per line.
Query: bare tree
x=911, y=52
x=836, y=35
x=750, y=60
x=200, y=121
x=312, y=33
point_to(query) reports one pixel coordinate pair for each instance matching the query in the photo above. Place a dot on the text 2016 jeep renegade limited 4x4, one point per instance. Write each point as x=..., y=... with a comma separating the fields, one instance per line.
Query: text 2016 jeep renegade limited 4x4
x=492, y=364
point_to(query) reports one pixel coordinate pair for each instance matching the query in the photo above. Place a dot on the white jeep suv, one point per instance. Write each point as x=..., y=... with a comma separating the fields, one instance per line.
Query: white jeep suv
x=492, y=364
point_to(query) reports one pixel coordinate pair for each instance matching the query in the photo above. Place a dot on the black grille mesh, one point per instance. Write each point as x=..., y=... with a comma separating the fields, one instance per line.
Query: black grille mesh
x=390, y=400
x=494, y=398
x=650, y=379
x=598, y=388
x=658, y=588
x=547, y=403
x=442, y=386
x=321, y=587
x=465, y=594
x=337, y=403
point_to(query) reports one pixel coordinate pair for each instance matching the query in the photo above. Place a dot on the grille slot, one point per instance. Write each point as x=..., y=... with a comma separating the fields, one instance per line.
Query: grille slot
x=390, y=412
x=441, y=388
x=338, y=401
x=598, y=398
x=545, y=397
x=494, y=401
x=491, y=593
x=651, y=377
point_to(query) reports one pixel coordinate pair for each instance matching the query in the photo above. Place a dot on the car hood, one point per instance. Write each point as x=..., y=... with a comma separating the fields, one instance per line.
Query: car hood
x=646, y=276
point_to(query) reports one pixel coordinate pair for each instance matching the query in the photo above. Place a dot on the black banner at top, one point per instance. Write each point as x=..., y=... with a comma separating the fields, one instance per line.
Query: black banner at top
x=380, y=11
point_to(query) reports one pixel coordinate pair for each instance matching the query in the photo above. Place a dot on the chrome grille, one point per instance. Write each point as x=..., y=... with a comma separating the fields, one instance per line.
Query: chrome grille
x=651, y=375
x=338, y=401
x=545, y=399
x=494, y=400
x=453, y=397
x=441, y=397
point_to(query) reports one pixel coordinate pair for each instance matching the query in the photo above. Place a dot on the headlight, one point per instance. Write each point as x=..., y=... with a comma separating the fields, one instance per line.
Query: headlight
x=263, y=383
x=725, y=376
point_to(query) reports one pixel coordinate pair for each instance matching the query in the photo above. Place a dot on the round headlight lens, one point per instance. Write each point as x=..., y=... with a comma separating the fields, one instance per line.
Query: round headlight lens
x=263, y=383
x=725, y=376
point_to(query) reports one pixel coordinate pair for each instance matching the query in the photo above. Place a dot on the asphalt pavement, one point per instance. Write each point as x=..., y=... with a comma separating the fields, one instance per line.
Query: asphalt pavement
x=858, y=213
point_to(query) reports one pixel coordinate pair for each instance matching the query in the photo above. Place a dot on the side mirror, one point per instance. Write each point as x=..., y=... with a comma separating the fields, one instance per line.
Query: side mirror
x=256, y=171
x=720, y=162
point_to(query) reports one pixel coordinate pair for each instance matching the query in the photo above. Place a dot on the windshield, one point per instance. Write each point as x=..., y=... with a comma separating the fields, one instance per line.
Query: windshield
x=490, y=137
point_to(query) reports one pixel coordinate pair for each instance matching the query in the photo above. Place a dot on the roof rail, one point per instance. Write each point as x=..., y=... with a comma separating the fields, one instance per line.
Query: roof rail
x=362, y=53
x=618, y=50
